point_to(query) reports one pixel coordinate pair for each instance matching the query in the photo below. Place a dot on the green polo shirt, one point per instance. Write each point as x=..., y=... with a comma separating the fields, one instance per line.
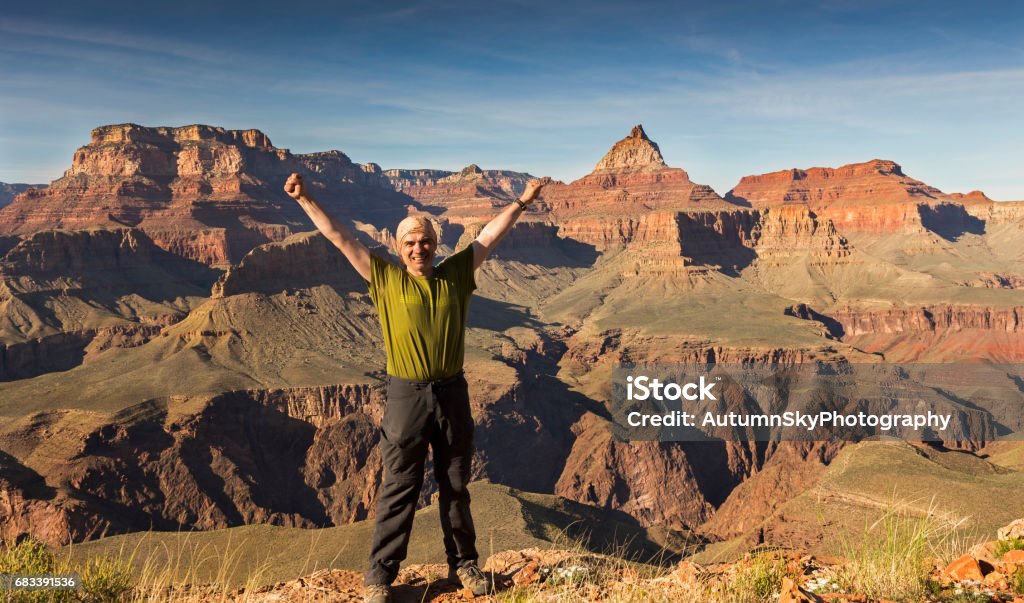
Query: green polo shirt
x=423, y=318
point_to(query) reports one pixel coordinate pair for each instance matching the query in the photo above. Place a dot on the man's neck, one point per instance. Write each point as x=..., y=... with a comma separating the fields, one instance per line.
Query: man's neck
x=427, y=272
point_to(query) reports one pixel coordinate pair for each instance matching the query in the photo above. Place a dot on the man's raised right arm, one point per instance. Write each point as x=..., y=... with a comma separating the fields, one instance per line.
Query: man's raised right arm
x=335, y=231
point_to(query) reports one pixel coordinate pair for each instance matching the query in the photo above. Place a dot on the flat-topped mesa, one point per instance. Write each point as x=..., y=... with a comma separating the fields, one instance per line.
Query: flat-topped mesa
x=136, y=134
x=198, y=160
x=874, y=197
x=203, y=192
x=633, y=153
x=196, y=151
x=875, y=181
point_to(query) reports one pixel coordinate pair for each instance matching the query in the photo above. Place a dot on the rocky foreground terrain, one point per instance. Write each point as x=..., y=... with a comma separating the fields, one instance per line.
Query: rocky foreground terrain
x=179, y=352
x=886, y=566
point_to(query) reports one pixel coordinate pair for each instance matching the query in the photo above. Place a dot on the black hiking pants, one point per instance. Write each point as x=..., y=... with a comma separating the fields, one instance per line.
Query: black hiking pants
x=418, y=414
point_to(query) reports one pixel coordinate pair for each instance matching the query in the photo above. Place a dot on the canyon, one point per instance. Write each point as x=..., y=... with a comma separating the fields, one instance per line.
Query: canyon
x=180, y=351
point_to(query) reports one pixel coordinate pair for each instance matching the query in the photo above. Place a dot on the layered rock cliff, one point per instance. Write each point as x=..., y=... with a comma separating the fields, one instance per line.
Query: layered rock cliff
x=67, y=296
x=871, y=182
x=872, y=197
x=204, y=193
x=469, y=192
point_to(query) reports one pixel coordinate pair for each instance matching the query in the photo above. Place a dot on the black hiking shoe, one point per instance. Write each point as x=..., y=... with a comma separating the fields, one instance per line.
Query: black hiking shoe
x=470, y=578
x=377, y=593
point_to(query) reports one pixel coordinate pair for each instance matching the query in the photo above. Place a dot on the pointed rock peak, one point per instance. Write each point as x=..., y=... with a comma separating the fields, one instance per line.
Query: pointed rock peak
x=633, y=153
x=470, y=173
x=638, y=132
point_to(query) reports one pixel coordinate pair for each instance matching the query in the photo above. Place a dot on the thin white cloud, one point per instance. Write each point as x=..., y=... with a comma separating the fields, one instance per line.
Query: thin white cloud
x=170, y=46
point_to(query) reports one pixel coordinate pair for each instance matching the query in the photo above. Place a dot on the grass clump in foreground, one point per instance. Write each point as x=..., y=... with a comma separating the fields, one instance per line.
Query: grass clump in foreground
x=103, y=579
x=895, y=554
x=756, y=578
x=188, y=571
x=1017, y=581
x=170, y=576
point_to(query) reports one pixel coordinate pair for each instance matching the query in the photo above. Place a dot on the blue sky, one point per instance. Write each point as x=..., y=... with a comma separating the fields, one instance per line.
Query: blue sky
x=725, y=88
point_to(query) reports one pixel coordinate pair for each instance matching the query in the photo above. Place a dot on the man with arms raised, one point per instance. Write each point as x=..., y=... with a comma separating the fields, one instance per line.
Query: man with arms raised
x=423, y=311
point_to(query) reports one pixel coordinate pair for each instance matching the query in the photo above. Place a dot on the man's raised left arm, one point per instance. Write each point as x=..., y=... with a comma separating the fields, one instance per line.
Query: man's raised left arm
x=497, y=228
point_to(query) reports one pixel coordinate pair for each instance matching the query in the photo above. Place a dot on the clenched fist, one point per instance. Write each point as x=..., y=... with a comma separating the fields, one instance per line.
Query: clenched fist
x=295, y=187
x=533, y=190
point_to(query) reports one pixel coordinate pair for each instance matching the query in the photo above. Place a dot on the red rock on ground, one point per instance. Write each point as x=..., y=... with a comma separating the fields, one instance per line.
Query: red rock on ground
x=997, y=581
x=965, y=568
x=1011, y=561
x=530, y=574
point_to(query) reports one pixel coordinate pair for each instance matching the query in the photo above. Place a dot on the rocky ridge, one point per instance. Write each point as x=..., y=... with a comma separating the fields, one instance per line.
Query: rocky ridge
x=10, y=190
x=469, y=192
x=205, y=193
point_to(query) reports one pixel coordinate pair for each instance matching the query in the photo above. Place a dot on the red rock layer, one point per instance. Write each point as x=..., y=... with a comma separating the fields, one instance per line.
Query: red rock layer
x=937, y=333
x=1001, y=212
x=875, y=181
x=631, y=477
x=789, y=231
x=717, y=239
x=471, y=192
x=9, y=190
x=873, y=197
x=930, y=318
x=205, y=193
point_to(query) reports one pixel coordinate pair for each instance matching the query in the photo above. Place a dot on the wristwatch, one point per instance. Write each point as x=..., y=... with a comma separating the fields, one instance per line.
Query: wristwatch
x=522, y=204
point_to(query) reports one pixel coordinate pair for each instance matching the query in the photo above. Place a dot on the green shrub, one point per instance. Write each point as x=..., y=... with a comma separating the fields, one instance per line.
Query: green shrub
x=756, y=579
x=1010, y=544
x=106, y=579
x=893, y=557
x=33, y=557
x=103, y=579
x=27, y=557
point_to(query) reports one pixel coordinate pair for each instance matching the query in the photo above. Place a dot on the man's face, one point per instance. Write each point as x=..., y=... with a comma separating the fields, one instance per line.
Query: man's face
x=417, y=251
